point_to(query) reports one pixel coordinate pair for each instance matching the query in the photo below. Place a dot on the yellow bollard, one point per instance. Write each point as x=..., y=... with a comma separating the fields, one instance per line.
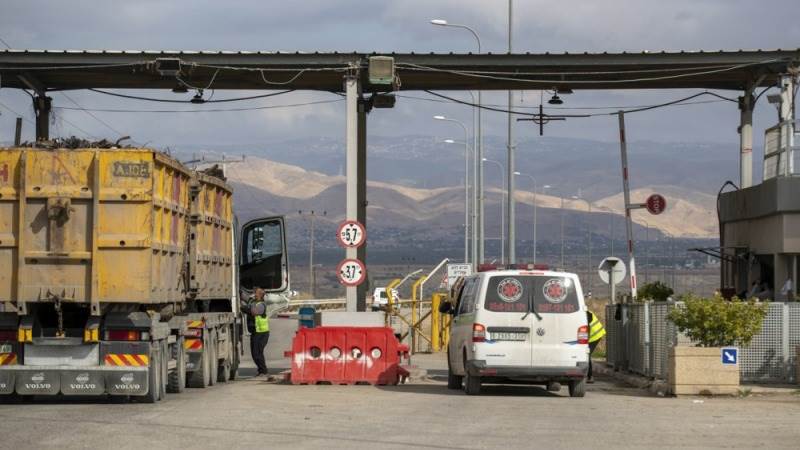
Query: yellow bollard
x=436, y=300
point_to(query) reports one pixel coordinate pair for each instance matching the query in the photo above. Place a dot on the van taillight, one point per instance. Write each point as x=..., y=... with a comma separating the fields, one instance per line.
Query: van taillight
x=583, y=334
x=478, y=333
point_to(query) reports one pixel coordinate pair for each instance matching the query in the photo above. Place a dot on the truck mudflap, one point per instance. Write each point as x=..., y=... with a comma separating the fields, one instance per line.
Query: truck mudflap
x=70, y=380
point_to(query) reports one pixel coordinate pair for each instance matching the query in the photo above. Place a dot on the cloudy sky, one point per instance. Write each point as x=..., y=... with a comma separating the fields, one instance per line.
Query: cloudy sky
x=398, y=25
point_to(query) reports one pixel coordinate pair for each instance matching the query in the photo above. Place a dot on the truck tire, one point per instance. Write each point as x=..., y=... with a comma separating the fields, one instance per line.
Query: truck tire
x=224, y=370
x=176, y=381
x=200, y=378
x=237, y=343
x=577, y=388
x=164, y=370
x=213, y=359
x=153, y=377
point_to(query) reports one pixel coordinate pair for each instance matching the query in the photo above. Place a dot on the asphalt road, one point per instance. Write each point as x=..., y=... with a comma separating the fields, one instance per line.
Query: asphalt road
x=253, y=413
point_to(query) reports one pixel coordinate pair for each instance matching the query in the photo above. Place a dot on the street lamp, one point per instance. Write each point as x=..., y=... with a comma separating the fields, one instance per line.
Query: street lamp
x=478, y=239
x=312, y=215
x=534, y=210
x=646, y=249
x=502, y=201
x=547, y=186
x=466, y=190
x=589, y=235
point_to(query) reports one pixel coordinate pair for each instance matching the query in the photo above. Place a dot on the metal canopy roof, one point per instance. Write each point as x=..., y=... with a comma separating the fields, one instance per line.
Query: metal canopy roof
x=81, y=69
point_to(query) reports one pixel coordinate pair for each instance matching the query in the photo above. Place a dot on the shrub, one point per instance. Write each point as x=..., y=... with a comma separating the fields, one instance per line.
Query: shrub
x=656, y=291
x=716, y=322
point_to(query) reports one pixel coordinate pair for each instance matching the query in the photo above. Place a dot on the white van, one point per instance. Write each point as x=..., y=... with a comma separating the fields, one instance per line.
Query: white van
x=517, y=326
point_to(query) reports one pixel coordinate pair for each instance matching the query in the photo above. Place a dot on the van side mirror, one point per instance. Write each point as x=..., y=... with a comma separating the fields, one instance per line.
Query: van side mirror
x=446, y=308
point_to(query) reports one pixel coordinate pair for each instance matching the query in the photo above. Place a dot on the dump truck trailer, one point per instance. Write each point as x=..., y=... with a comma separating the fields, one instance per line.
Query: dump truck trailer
x=119, y=273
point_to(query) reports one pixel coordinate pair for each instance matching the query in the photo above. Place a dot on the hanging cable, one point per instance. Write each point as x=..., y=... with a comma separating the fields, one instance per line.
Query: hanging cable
x=172, y=111
x=164, y=100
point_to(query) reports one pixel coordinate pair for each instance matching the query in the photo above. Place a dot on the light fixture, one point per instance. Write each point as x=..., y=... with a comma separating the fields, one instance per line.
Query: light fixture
x=198, y=97
x=449, y=141
x=440, y=22
x=555, y=100
x=440, y=117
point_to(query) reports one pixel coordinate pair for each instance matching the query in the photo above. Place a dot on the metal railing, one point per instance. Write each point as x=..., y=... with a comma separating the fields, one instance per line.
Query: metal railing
x=639, y=337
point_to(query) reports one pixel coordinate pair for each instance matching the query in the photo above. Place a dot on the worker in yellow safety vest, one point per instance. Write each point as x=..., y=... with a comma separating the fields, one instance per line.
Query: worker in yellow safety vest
x=596, y=332
x=260, y=331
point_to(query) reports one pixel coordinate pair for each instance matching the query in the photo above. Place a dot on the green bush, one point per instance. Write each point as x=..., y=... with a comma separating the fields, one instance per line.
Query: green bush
x=656, y=291
x=716, y=322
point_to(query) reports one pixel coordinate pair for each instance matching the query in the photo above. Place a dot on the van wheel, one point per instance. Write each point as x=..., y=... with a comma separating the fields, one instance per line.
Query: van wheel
x=472, y=383
x=454, y=381
x=577, y=388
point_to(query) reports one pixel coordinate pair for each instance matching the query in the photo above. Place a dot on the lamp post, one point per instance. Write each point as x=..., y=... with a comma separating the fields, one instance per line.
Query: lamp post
x=312, y=215
x=466, y=193
x=589, y=237
x=547, y=186
x=646, y=249
x=502, y=201
x=534, y=209
x=478, y=197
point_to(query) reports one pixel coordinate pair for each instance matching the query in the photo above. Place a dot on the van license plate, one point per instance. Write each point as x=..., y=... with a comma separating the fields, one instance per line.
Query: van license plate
x=6, y=348
x=505, y=336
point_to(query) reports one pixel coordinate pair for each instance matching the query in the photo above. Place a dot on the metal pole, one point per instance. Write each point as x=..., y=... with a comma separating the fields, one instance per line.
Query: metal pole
x=18, y=132
x=351, y=97
x=562, y=232
x=746, y=104
x=623, y=147
x=502, y=202
x=311, y=258
x=511, y=219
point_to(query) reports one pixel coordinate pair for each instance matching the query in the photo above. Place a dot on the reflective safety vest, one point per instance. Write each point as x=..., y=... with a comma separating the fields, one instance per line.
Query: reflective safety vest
x=596, y=330
x=262, y=323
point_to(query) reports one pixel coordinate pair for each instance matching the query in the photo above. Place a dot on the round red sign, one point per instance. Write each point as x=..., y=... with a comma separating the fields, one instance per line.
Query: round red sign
x=656, y=204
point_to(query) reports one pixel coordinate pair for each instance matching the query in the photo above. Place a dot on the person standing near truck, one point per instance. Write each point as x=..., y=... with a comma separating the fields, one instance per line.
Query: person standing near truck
x=258, y=324
x=596, y=332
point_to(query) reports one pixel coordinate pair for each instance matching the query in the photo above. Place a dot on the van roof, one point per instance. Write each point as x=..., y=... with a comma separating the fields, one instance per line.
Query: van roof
x=546, y=273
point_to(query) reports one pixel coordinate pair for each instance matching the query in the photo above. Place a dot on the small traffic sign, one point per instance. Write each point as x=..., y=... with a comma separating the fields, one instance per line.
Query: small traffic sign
x=613, y=266
x=351, y=233
x=351, y=272
x=454, y=271
x=730, y=356
x=656, y=204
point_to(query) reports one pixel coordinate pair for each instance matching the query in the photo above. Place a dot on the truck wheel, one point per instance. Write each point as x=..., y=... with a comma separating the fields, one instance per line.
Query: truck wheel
x=213, y=359
x=153, y=377
x=199, y=378
x=224, y=370
x=577, y=388
x=176, y=381
x=236, y=346
x=472, y=384
x=164, y=370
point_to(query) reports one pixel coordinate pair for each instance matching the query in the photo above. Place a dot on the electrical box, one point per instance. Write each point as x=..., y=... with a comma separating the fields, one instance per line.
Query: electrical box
x=381, y=70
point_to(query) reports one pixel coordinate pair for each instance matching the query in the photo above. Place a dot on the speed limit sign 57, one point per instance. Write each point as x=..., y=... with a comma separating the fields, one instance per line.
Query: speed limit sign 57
x=351, y=272
x=351, y=233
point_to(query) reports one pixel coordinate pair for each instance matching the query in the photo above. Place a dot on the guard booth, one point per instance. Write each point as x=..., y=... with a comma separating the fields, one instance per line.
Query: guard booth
x=760, y=225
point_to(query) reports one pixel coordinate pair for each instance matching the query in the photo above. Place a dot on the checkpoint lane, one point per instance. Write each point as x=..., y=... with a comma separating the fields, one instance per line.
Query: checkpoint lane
x=424, y=414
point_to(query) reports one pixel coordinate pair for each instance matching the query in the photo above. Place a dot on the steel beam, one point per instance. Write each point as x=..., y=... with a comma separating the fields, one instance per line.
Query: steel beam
x=351, y=88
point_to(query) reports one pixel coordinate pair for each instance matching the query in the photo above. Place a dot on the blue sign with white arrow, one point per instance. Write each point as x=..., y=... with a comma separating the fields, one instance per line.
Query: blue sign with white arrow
x=730, y=356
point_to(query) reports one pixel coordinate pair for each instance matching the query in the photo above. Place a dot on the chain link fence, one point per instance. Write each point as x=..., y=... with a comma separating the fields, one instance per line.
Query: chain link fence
x=639, y=337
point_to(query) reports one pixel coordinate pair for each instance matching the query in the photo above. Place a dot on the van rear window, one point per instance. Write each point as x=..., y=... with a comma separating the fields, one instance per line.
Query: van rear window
x=545, y=294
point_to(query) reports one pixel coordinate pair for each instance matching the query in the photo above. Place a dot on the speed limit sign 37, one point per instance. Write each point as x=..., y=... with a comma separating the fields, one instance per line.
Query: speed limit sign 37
x=351, y=272
x=351, y=233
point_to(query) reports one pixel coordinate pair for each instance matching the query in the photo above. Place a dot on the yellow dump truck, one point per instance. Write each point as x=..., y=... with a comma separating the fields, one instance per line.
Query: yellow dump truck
x=121, y=271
